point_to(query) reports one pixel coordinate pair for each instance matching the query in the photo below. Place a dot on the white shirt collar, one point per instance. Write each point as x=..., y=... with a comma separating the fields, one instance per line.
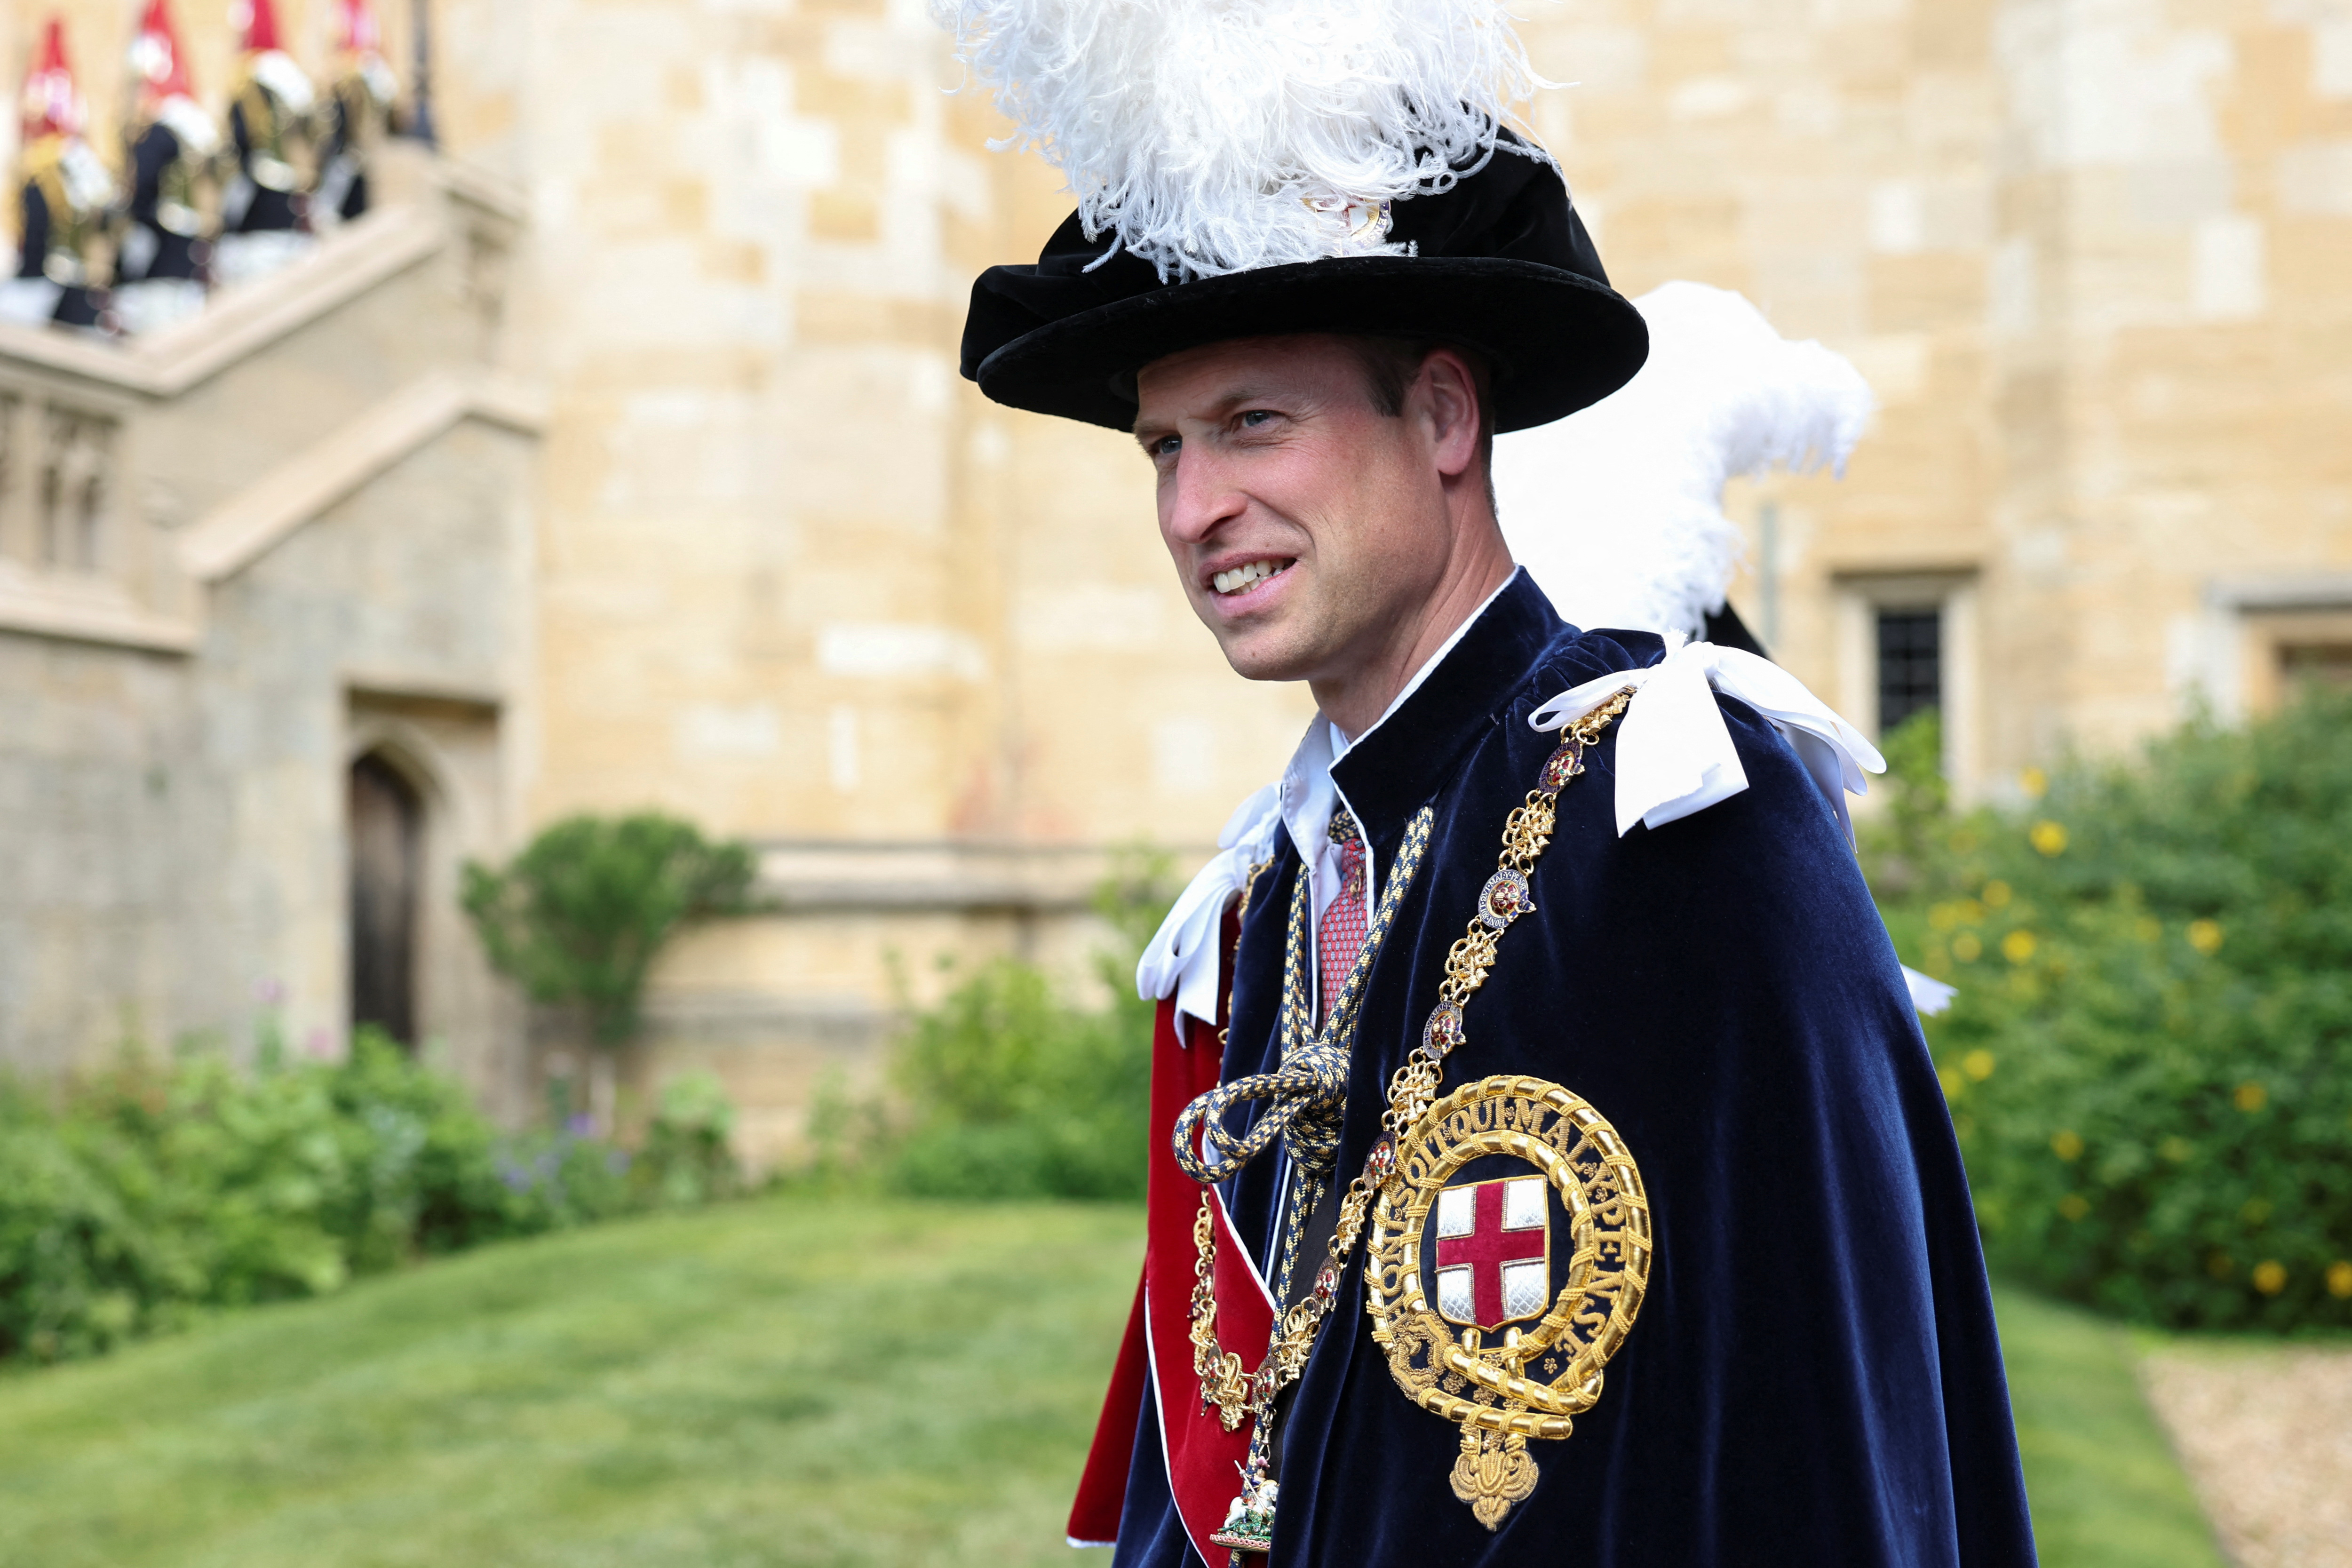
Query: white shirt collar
x=1308, y=794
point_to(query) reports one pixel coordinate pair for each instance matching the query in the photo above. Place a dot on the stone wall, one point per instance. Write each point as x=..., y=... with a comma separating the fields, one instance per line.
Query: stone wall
x=2077, y=248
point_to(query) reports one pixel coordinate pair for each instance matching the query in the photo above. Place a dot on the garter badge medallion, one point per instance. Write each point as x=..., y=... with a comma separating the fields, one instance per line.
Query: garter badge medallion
x=1498, y=1299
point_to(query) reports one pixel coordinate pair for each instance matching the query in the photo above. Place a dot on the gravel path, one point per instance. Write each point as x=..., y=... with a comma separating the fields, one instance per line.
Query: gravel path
x=2266, y=1436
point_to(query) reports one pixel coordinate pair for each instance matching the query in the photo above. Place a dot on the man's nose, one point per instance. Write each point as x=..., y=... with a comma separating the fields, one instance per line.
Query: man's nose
x=1200, y=495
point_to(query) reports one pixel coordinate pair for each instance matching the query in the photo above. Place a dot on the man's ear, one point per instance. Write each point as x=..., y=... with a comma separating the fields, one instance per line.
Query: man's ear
x=1447, y=390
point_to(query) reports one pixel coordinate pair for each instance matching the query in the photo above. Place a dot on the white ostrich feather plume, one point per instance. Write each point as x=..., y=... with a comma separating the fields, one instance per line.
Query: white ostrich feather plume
x=1214, y=136
x=1617, y=511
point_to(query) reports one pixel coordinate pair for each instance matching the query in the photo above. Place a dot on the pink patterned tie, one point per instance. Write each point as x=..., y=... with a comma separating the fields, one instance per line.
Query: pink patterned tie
x=1341, y=935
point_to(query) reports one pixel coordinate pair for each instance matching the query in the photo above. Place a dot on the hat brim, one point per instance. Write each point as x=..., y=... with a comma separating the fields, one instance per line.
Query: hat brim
x=1556, y=342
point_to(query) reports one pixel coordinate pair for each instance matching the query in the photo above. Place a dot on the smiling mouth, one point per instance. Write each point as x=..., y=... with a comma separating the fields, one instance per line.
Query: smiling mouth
x=1241, y=578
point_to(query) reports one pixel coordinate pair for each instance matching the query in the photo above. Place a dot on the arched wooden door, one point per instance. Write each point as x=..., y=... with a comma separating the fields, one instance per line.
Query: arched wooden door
x=387, y=829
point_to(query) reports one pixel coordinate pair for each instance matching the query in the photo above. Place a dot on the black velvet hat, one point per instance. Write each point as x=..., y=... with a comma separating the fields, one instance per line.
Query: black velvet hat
x=1499, y=262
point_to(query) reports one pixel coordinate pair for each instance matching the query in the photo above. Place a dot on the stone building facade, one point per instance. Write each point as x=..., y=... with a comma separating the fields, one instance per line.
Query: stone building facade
x=247, y=568
x=762, y=558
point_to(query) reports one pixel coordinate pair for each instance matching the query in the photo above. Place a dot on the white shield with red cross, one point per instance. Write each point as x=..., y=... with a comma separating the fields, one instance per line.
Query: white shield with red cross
x=1493, y=1252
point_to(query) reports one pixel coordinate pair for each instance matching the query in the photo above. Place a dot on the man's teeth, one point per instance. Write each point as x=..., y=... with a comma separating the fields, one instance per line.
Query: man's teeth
x=1241, y=577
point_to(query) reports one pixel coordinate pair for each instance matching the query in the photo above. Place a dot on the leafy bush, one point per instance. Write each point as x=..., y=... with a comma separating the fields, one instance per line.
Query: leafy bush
x=1013, y=1091
x=1016, y=1094
x=147, y=1191
x=2149, y=1061
x=580, y=915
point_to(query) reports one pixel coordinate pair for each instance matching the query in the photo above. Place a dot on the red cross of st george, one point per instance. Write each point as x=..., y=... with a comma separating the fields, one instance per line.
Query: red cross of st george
x=1485, y=1251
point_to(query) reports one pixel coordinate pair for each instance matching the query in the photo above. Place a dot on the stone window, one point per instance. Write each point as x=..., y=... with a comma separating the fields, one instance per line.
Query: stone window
x=1910, y=663
x=2326, y=663
x=1907, y=642
x=2285, y=649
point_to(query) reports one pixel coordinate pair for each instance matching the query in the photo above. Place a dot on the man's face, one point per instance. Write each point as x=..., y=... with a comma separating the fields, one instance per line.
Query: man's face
x=1305, y=524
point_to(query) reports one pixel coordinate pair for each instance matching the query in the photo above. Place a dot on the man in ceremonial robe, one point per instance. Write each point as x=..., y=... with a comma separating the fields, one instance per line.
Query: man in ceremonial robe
x=163, y=259
x=62, y=194
x=1546, y=1163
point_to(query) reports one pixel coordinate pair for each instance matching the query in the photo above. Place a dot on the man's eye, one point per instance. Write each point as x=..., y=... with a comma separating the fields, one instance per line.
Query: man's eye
x=1166, y=445
x=1255, y=417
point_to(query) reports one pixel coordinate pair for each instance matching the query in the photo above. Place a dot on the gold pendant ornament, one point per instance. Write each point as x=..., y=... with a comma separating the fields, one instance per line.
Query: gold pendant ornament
x=1478, y=1336
x=1494, y=1238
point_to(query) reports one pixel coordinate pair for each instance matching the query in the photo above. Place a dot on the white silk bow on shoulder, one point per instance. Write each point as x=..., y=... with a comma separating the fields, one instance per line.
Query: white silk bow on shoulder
x=1181, y=956
x=1674, y=755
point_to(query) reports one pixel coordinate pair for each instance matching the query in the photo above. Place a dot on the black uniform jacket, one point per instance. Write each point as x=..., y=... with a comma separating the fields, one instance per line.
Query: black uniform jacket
x=1814, y=1377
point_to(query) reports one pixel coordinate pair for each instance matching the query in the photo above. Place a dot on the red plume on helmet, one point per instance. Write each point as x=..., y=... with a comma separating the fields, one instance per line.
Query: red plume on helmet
x=259, y=20
x=159, y=66
x=50, y=106
x=356, y=32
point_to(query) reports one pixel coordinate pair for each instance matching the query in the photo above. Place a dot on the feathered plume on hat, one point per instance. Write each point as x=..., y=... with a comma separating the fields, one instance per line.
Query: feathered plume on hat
x=257, y=20
x=162, y=88
x=355, y=29
x=1216, y=136
x=1618, y=512
x=159, y=65
x=50, y=106
x=1252, y=168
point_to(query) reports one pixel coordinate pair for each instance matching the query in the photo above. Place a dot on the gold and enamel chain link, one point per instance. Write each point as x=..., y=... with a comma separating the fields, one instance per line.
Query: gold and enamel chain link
x=1225, y=1386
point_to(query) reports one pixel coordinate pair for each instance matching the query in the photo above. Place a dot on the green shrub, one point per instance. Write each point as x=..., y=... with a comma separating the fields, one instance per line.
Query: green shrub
x=1013, y=1091
x=686, y=1158
x=2149, y=1061
x=580, y=915
x=138, y=1196
x=78, y=1272
x=1015, y=1094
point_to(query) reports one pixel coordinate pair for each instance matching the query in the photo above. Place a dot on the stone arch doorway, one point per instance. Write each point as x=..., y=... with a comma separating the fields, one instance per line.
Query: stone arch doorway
x=386, y=823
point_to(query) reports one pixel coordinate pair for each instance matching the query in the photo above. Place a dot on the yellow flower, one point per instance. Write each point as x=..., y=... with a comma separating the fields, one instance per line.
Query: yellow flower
x=2034, y=783
x=1943, y=916
x=2176, y=1150
x=2148, y=928
x=2250, y=1097
x=1952, y=1081
x=2048, y=836
x=1995, y=893
x=1977, y=1064
x=2339, y=1278
x=2270, y=1277
x=2205, y=936
x=2067, y=1145
x=2073, y=1205
x=2254, y=1211
x=2018, y=947
x=1966, y=948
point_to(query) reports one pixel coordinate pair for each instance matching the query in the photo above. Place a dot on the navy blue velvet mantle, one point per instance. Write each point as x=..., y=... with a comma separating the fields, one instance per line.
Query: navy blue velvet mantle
x=1814, y=1377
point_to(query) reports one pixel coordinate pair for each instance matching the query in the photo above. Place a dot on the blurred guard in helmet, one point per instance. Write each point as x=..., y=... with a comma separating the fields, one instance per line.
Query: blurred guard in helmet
x=63, y=192
x=264, y=218
x=355, y=115
x=165, y=255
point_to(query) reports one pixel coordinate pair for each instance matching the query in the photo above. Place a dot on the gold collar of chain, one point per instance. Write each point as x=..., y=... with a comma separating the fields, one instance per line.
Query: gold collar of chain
x=1485, y=1389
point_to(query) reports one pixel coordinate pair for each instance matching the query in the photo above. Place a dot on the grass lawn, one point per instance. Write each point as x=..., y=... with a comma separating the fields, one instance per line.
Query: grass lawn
x=2105, y=1489
x=772, y=1383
